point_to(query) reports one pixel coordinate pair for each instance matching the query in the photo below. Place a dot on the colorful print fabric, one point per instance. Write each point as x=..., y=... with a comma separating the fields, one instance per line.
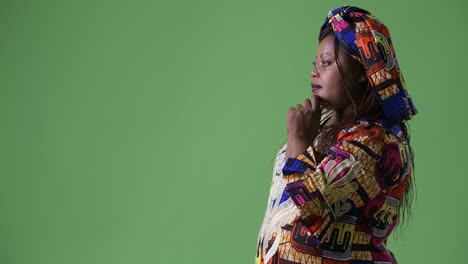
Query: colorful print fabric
x=368, y=41
x=340, y=209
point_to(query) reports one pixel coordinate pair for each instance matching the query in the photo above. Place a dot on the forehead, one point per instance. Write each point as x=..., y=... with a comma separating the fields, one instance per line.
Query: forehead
x=326, y=46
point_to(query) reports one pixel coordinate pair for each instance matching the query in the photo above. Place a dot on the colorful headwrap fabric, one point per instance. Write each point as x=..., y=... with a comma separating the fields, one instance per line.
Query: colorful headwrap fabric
x=368, y=41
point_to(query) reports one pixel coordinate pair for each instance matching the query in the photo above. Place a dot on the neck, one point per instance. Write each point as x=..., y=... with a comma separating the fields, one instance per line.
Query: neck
x=345, y=113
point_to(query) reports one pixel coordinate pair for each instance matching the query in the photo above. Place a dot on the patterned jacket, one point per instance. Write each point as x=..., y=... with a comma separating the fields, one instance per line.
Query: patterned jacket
x=339, y=209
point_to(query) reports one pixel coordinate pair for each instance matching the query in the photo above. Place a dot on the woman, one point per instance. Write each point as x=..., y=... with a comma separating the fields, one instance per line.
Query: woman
x=343, y=180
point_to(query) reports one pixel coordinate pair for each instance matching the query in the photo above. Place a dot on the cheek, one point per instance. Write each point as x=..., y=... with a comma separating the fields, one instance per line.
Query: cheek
x=337, y=94
x=334, y=78
x=335, y=88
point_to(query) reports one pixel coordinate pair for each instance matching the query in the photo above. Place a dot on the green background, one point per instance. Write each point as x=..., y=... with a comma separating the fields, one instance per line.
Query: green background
x=145, y=131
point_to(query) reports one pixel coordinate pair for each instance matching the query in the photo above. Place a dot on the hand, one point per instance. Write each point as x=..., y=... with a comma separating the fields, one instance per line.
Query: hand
x=303, y=123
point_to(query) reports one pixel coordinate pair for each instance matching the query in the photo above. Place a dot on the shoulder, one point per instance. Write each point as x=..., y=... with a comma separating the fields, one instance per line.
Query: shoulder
x=381, y=153
x=371, y=136
x=367, y=130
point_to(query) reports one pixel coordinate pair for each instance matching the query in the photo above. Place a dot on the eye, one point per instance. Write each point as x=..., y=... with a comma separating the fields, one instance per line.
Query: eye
x=325, y=63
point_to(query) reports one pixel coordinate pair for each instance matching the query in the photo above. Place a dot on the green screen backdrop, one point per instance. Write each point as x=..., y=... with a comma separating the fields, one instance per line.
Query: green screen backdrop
x=145, y=131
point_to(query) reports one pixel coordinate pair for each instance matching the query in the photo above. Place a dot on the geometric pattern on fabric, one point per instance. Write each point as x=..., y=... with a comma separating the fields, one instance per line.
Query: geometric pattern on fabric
x=345, y=206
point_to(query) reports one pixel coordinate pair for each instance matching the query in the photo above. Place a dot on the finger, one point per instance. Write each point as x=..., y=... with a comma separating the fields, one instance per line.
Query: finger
x=307, y=103
x=299, y=107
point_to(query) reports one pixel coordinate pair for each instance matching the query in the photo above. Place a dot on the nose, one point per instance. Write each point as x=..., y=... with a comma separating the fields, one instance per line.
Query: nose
x=314, y=73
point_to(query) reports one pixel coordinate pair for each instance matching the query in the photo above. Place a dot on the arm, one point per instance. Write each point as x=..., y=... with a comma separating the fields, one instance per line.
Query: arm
x=356, y=173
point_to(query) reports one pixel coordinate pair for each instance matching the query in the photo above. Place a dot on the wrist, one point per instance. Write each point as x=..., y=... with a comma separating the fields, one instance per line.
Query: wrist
x=295, y=146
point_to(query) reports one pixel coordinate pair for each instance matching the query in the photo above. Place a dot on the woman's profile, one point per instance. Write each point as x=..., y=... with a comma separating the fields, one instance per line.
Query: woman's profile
x=343, y=181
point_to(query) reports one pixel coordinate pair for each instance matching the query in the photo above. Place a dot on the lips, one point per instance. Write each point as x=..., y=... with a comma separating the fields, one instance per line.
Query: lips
x=315, y=87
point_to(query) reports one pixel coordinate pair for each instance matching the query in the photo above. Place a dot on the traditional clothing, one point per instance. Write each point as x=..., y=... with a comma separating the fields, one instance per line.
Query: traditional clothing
x=342, y=208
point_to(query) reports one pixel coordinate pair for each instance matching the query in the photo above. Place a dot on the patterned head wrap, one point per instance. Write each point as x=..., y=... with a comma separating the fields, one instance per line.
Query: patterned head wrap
x=368, y=41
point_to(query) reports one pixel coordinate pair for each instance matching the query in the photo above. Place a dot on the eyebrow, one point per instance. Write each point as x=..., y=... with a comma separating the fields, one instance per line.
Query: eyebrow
x=326, y=53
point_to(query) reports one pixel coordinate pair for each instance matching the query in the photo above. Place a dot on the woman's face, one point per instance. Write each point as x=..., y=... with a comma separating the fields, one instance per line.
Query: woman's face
x=327, y=83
